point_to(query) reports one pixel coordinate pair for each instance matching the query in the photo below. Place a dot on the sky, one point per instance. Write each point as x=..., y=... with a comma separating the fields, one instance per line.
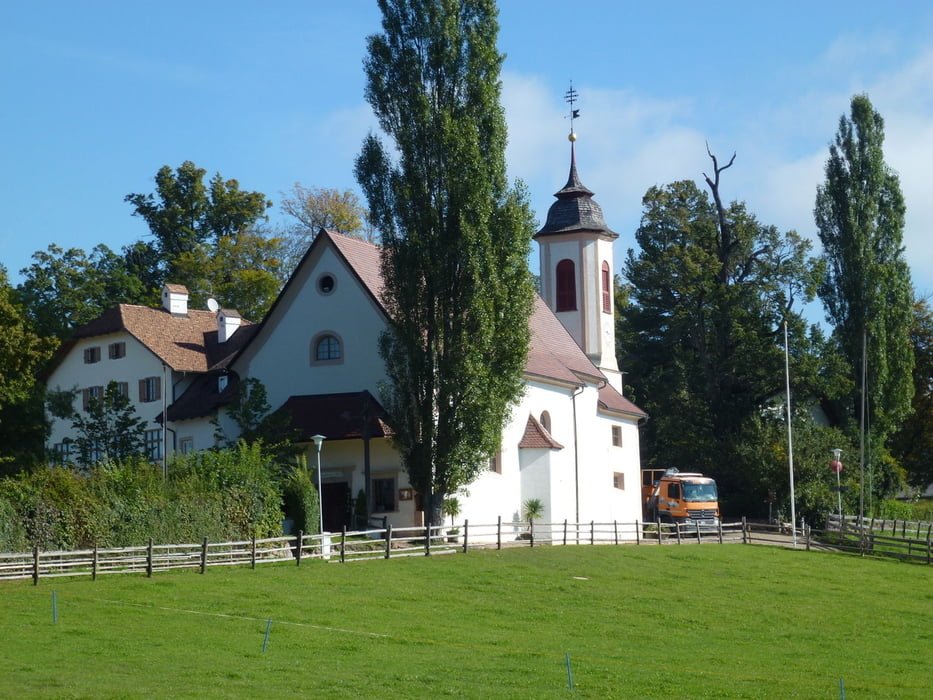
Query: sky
x=97, y=95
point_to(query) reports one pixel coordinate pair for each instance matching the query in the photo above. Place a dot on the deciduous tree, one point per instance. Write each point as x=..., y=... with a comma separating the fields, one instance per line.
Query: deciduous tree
x=184, y=213
x=64, y=289
x=455, y=239
x=108, y=427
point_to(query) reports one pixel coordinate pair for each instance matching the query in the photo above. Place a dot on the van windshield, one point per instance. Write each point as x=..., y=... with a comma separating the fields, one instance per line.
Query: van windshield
x=694, y=492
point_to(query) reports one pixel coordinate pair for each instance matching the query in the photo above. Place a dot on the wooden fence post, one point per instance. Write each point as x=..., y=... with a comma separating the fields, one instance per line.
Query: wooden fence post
x=149, y=559
x=94, y=565
x=343, y=544
x=388, y=540
x=427, y=540
x=637, y=532
x=531, y=530
x=499, y=533
x=565, y=532
x=252, y=555
x=677, y=525
x=466, y=531
x=744, y=531
x=615, y=531
x=35, y=565
x=719, y=529
x=301, y=539
x=697, y=524
x=204, y=555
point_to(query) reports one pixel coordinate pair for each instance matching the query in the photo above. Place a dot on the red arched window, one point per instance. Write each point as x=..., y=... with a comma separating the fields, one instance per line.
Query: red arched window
x=566, y=286
x=607, y=289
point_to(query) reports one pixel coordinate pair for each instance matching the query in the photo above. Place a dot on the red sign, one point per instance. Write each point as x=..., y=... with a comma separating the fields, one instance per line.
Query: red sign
x=836, y=465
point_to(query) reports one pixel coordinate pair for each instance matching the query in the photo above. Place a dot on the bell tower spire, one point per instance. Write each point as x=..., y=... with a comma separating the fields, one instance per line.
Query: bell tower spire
x=576, y=265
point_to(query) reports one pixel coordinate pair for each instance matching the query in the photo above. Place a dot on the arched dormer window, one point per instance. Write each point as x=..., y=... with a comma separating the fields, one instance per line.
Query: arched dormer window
x=607, y=288
x=326, y=348
x=545, y=421
x=566, y=286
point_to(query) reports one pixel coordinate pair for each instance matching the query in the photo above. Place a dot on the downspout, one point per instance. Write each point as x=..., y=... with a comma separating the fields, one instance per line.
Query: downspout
x=576, y=452
x=165, y=388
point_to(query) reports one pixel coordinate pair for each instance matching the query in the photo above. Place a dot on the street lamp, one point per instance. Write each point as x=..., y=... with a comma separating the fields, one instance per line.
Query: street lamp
x=318, y=442
x=836, y=466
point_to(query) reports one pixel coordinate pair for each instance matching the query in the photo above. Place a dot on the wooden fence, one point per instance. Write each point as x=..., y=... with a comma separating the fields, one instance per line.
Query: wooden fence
x=909, y=540
x=387, y=542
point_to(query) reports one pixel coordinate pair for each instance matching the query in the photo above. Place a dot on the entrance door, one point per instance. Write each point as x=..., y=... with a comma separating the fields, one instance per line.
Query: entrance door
x=336, y=506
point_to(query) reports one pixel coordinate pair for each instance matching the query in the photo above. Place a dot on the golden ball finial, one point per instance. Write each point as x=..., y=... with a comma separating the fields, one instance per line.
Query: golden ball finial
x=572, y=137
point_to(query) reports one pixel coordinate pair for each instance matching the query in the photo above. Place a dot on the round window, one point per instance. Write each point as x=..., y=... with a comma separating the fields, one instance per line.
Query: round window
x=326, y=284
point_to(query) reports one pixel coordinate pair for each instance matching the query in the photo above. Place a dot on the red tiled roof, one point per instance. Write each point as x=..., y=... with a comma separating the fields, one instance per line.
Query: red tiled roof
x=612, y=400
x=185, y=343
x=537, y=436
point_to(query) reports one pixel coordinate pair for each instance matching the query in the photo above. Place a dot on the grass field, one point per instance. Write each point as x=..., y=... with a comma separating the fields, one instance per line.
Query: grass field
x=728, y=621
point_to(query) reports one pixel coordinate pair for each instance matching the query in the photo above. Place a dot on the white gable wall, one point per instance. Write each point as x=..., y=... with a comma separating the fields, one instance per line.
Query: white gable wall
x=280, y=357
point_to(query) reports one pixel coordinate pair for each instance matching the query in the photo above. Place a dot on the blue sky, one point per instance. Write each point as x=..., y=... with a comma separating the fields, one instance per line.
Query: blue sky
x=98, y=95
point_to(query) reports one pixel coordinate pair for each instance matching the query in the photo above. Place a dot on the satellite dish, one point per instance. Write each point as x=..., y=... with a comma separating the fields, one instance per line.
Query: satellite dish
x=212, y=304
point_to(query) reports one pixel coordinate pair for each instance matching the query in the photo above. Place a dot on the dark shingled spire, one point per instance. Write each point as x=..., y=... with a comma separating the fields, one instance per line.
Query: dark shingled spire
x=575, y=211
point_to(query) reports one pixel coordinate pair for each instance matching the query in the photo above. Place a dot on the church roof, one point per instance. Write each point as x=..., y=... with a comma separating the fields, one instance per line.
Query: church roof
x=575, y=209
x=553, y=355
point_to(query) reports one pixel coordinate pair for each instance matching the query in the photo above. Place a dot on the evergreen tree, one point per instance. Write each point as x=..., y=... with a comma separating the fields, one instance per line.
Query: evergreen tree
x=867, y=290
x=455, y=239
x=701, y=329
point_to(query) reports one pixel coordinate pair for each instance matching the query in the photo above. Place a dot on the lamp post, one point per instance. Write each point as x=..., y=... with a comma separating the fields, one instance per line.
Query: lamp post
x=836, y=466
x=318, y=442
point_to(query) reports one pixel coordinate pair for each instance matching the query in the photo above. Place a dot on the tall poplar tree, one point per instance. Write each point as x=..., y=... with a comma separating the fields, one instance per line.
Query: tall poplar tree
x=867, y=291
x=455, y=239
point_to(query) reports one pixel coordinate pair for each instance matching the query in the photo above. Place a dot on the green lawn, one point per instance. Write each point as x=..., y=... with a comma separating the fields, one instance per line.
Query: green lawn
x=692, y=621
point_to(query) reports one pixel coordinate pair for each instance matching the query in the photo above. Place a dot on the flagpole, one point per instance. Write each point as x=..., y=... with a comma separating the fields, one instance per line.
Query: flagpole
x=790, y=441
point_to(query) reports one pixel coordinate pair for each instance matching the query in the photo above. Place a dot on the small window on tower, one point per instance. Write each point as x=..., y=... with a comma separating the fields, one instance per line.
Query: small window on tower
x=607, y=288
x=566, y=286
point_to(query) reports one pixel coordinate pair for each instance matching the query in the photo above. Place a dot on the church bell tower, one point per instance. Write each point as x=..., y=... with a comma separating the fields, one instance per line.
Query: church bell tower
x=575, y=247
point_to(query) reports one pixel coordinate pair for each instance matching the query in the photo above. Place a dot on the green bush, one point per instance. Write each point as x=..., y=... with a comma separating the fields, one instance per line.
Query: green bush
x=301, y=498
x=222, y=495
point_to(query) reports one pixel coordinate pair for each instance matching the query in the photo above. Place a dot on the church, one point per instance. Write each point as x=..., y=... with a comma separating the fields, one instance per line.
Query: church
x=572, y=441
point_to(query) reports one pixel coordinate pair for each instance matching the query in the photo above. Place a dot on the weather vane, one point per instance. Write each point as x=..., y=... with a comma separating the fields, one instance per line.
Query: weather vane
x=571, y=97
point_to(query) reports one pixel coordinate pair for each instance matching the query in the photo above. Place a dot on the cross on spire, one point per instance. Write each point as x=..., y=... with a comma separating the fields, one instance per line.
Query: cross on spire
x=571, y=97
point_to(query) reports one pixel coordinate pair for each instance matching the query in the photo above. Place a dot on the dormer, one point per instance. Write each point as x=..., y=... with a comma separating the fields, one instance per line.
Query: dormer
x=175, y=299
x=228, y=321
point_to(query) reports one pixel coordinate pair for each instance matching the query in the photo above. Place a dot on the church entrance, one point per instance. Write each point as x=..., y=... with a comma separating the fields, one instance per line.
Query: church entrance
x=336, y=505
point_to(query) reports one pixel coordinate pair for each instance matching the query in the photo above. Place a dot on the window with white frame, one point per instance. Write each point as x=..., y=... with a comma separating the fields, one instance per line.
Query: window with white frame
x=617, y=436
x=153, y=440
x=92, y=393
x=150, y=389
x=62, y=452
x=326, y=348
x=384, y=495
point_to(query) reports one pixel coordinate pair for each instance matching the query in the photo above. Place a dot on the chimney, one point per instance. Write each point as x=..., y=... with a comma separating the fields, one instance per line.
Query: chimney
x=228, y=321
x=175, y=299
